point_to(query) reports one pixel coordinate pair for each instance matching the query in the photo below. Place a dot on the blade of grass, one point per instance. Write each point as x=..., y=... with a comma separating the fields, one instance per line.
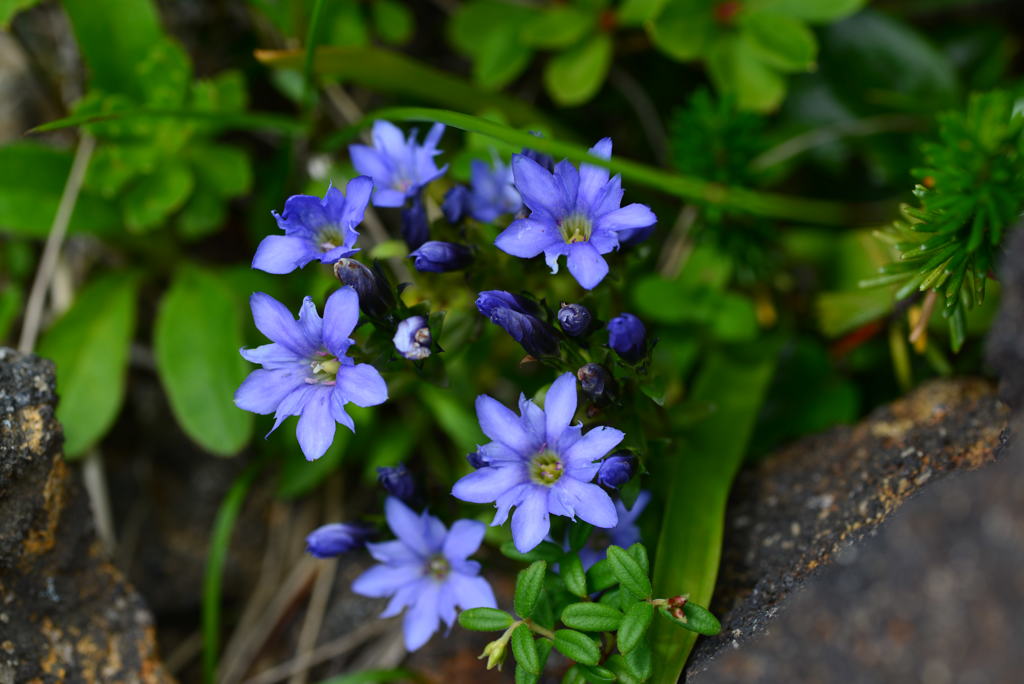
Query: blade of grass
x=691, y=188
x=312, y=37
x=220, y=540
x=266, y=122
x=699, y=477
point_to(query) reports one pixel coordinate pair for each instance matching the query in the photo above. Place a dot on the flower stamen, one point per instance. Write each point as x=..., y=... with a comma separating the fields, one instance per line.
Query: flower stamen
x=546, y=468
x=575, y=228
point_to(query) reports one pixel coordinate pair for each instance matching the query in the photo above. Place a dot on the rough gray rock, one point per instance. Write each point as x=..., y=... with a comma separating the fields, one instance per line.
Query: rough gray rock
x=66, y=613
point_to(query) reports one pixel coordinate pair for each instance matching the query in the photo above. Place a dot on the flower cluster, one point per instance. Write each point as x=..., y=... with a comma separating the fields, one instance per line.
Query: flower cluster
x=540, y=462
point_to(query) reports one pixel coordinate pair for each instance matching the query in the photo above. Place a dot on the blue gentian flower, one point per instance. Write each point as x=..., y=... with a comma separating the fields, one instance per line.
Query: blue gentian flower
x=426, y=570
x=412, y=338
x=624, y=534
x=575, y=214
x=520, y=319
x=627, y=336
x=399, y=166
x=306, y=369
x=540, y=464
x=397, y=481
x=435, y=256
x=616, y=470
x=575, y=319
x=456, y=204
x=315, y=228
x=475, y=460
x=493, y=192
x=335, y=539
x=415, y=226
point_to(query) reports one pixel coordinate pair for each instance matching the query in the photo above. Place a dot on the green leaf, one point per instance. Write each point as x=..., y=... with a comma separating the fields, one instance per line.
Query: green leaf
x=595, y=674
x=698, y=619
x=114, y=37
x=545, y=551
x=815, y=212
x=390, y=72
x=452, y=415
x=617, y=664
x=345, y=24
x=393, y=21
x=485, y=619
x=690, y=540
x=152, y=198
x=222, y=169
x=525, y=650
x=243, y=121
x=738, y=67
x=814, y=11
x=591, y=617
x=32, y=178
x=500, y=58
x=378, y=676
x=640, y=661
x=579, y=533
x=529, y=585
x=574, y=76
x=634, y=626
x=577, y=646
x=525, y=677
x=556, y=27
x=572, y=573
x=638, y=552
x=574, y=675
x=196, y=339
x=783, y=42
x=601, y=576
x=684, y=30
x=631, y=576
x=638, y=12
x=89, y=346
x=203, y=213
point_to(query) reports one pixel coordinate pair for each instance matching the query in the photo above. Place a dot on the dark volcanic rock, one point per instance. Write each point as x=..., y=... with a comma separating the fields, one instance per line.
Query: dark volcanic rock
x=66, y=614
x=794, y=513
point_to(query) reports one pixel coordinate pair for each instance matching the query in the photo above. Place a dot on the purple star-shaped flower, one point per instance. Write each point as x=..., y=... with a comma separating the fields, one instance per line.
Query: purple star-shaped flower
x=624, y=534
x=426, y=570
x=573, y=213
x=493, y=191
x=540, y=464
x=399, y=166
x=306, y=369
x=315, y=228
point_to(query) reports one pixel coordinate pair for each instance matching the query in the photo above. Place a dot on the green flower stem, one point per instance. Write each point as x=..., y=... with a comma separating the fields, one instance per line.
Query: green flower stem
x=537, y=629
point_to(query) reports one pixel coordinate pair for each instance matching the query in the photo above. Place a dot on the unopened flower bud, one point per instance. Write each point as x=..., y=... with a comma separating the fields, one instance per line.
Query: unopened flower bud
x=627, y=336
x=412, y=338
x=397, y=481
x=595, y=381
x=435, y=256
x=375, y=296
x=496, y=652
x=456, y=204
x=575, y=319
x=520, y=319
x=335, y=539
x=415, y=227
x=476, y=459
x=616, y=470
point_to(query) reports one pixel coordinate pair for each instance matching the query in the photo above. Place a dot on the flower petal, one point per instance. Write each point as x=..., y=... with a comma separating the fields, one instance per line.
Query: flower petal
x=362, y=385
x=405, y=596
x=280, y=254
x=592, y=177
x=463, y=540
x=591, y=503
x=388, y=139
x=471, y=592
x=530, y=522
x=264, y=390
x=569, y=179
x=304, y=214
x=369, y=162
x=393, y=552
x=628, y=217
x=276, y=322
x=538, y=188
x=406, y=525
x=592, y=446
x=526, y=238
x=587, y=265
x=559, y=406
x=274, y=356
x=310, y=323
x=341, y=313
x=490, y=482
x=388, y=197
x=315, y=430
x=422, y=619
x=502, y=425
x=385, y=580
x=357, y=195
x=338, y=411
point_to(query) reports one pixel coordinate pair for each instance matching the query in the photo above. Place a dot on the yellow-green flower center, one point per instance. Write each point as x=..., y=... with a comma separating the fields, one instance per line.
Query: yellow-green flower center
x=575, y=228
x=546, y=468
x=325, y=369
x=438, y=566
x=328, y=237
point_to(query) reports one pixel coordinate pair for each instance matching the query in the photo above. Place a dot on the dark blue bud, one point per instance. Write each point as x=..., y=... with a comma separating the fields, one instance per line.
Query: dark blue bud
x=375, y=296
x=337, y=538
x=595, y=381
x=616, y=470
x=397, y=482
x=627, y=336
x=415, y=228
x=456, y=204
x=476, y=460
x=520, y=318
x=435, y=256
x=575, y=319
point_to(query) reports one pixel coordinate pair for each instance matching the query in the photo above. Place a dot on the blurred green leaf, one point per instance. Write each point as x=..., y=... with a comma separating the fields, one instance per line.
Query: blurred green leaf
x=737, y=68
x=12, y=298
x=222, y=169
x=690, y=540
x=636, y=12
x=814, y=11
x=32, y=179
x=684, y=30
x=114, y=37
x=393, y=21
x=347, y=26
x=378, y=676
x=203, y=213
x=196, y=339
x=150, y=200
x=574, y=76
x=783, y=42
x=557, y=26
x=89, y=346
x=500, y=58
x=268, y=122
